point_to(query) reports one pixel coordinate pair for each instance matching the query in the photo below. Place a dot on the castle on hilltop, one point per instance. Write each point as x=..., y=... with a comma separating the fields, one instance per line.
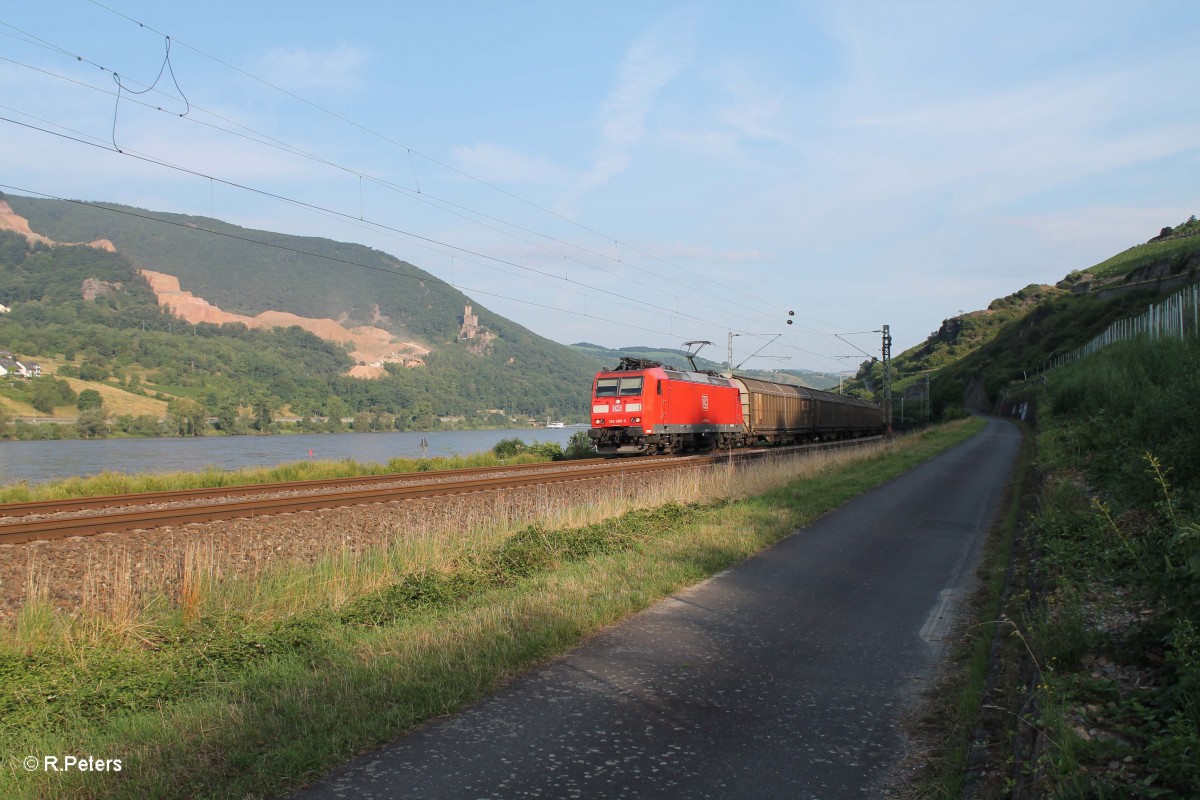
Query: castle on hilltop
x=480, y=338
x=470, y=327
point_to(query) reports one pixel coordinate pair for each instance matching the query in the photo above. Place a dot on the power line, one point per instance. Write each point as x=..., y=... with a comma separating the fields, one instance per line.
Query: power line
x=297, y=251
x=269, y=141
x=446, y=205
x=335, y=259
x=348, y=218
x=411, y=150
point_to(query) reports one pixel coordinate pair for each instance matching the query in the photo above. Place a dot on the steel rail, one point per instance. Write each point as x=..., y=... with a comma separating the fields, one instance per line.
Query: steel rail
x=22, y=509
x=22, y=531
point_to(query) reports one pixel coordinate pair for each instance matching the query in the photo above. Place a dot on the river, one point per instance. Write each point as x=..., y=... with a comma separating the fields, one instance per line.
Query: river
x=41, y=461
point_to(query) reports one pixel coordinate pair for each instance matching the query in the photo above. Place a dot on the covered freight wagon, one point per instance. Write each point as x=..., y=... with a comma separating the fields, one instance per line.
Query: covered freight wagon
x=780, y=413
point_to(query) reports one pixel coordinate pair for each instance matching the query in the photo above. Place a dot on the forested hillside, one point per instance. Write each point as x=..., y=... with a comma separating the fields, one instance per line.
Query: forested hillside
x=91, y=313
x=801, y=377
x=249, y=271
x=972, y=357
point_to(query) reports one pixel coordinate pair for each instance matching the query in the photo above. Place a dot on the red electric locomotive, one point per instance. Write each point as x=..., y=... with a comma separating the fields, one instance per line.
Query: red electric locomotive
x=643, y=407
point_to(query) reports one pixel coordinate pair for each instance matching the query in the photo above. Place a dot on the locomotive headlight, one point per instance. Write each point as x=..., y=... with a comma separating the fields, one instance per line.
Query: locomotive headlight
x=636, y=419
x=599, y=422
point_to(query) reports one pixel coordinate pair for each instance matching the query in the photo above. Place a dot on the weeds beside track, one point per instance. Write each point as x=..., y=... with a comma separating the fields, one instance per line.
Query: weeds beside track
x=1094, y=688
x=249, y=688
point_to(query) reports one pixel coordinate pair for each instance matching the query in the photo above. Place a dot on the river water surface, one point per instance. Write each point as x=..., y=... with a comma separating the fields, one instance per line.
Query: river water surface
x=42, y=461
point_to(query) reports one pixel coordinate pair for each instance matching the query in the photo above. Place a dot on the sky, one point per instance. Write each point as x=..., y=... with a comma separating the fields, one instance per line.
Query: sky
x=637, y=173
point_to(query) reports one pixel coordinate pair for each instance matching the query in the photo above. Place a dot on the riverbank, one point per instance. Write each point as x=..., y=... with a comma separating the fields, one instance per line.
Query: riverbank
x=233, y=687
x=43, y=429
x=40, y=462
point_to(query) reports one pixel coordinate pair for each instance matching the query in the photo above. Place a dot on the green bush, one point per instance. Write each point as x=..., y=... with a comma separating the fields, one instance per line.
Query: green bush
x=580, y=446
x=1129, y=399
x=89, y=399
x=509, y=448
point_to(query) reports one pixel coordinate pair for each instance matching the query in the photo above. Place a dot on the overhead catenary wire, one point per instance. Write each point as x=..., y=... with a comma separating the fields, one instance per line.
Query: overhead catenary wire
x=349, y=218
x=334, y=259
x=402, y=236
x=424, y=242
x=411, y=151
x=165, y=67
x=297, y=251
x=266, y=140
x=289, y=148
x=441, y=203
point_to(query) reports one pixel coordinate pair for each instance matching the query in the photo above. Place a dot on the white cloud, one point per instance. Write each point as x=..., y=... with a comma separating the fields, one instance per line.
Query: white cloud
x=752, y=110
x=956, y=162
x=298, y=68
x=650, y=63
x=492, y=162
x=746, y=112
x=680, y=251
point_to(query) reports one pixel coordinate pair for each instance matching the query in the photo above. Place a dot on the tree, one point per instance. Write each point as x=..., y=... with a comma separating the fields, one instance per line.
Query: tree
x=141, y=425
x=187, y=417
x=335, y=409
x=508, y=448
x=308, y=425
x=92, y=423
x=92, y=369
x=264, y=411
x=580, y=446
x=48, y=394
x=227, y=417
x=423, y=417
x=88, y=400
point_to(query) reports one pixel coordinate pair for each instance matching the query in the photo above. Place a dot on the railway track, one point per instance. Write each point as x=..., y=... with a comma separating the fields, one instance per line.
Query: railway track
x=226, y=492
x=58, y=519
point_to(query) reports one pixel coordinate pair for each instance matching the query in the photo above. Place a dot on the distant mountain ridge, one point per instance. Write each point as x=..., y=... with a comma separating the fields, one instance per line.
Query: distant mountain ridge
x=972, y=357
x=247, y=272
x=99, y=306
x=372, y=347
x=678, y=358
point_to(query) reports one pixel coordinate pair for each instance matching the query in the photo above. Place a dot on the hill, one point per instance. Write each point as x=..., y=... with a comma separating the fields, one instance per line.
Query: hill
x=973, y=356
x=1174, y=251
x=93, y=309
x=800, y=377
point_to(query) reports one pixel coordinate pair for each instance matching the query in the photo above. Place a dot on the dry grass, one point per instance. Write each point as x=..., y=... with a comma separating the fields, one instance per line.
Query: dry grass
x=213, y=572
x=117, y=401
x=110, y=483
x=267, y=688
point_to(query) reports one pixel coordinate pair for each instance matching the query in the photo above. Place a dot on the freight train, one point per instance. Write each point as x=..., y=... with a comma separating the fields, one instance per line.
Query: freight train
x=643, y=407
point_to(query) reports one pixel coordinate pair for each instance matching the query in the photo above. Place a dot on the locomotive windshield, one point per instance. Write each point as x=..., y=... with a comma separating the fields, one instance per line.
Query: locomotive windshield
x=612, y=387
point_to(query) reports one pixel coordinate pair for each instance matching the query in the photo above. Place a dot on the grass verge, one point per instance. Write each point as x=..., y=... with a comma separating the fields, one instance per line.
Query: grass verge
x=1095, y=684
x=107, y=483
x=964, y=724
x=216, y=699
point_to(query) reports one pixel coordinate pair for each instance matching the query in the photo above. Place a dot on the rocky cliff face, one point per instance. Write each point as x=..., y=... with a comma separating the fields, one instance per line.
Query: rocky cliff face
x=372, y=347
x=11, y=221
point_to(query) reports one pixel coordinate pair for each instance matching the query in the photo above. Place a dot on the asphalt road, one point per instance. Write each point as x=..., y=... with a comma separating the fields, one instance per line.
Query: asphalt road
x=784, y=677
